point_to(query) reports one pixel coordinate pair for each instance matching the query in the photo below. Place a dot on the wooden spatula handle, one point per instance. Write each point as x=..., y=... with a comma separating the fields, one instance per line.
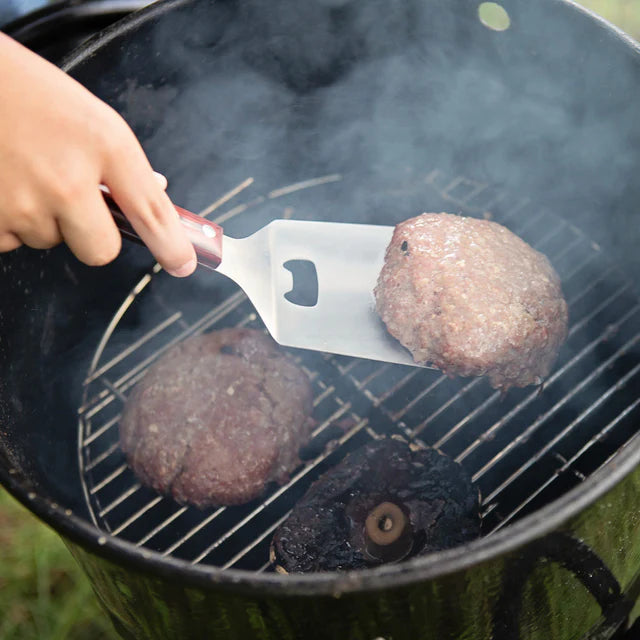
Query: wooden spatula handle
x=204, y=235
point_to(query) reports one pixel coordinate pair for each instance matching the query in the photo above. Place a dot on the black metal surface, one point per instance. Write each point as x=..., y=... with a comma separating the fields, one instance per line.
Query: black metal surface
x=577, y=558
x=57, y=29
x=556, y=125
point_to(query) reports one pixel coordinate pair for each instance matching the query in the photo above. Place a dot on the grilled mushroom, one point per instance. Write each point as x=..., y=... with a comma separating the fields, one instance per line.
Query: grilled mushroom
x=384, y=502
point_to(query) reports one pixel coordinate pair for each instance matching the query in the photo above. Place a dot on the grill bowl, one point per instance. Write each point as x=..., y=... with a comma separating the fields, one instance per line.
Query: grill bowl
x=484, y=138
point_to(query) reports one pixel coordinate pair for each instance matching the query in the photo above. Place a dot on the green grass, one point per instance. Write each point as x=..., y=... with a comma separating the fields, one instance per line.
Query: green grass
x=623, y=13
x=43, y=593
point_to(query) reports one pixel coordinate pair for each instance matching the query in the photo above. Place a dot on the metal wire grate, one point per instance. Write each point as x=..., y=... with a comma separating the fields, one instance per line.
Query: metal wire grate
x=524, y=449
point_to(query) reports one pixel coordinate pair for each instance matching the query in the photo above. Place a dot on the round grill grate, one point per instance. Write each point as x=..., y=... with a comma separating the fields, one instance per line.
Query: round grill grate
x=524, y=449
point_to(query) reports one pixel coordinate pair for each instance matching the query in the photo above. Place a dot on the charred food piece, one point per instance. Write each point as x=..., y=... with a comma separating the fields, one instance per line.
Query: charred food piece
x=471, y=298
x=216, y=418
x=383, y=503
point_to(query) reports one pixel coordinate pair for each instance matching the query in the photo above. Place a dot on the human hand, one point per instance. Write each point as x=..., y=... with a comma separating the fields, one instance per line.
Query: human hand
x=58, y=143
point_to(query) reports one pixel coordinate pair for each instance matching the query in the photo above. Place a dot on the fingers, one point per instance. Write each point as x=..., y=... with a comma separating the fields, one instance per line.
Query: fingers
x=156, y=222
x=9, y=242
x=148, y=208
x=89, y=230
x=25, y=224
x=37, y=232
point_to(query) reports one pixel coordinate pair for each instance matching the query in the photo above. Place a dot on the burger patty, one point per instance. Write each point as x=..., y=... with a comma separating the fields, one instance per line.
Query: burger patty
x=384, y=502
x=216, y=418
x=471, y=298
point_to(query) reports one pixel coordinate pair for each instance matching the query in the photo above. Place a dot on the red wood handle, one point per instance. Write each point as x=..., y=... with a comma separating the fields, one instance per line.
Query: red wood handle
x=204, y=235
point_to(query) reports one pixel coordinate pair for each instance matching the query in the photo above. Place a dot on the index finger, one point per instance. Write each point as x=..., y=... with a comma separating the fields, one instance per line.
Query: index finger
x=136, y=190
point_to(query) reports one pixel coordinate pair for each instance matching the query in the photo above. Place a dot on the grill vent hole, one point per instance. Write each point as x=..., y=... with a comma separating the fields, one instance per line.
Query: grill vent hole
x=494, y=16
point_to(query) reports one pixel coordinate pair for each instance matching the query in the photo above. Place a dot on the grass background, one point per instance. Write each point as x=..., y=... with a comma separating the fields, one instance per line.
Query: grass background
x=43, y=594
x=624, y=13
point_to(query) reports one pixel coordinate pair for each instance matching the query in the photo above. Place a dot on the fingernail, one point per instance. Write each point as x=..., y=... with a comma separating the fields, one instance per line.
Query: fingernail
x=185, y=270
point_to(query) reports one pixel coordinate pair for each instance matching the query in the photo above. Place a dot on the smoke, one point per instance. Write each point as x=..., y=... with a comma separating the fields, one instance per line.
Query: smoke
x=383, y=93
x=387, y=91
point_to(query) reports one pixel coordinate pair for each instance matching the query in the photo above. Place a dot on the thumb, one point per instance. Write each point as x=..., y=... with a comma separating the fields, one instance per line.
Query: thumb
x=162, y=180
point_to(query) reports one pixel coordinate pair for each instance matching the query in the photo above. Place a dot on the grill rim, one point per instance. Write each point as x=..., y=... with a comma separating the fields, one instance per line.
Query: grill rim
x=419, y=569
x=436, y=565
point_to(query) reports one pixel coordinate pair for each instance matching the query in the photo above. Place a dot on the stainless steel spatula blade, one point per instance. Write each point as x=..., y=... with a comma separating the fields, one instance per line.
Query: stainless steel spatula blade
x=347, y=260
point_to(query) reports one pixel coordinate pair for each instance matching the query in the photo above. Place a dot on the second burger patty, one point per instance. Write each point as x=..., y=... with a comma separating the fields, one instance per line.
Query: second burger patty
x=217, y=417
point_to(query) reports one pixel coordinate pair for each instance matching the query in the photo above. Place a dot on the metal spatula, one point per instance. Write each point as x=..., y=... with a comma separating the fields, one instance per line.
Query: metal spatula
x=347, y=260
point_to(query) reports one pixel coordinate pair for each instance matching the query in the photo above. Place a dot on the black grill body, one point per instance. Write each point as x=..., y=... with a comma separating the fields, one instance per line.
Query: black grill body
x=363, y=113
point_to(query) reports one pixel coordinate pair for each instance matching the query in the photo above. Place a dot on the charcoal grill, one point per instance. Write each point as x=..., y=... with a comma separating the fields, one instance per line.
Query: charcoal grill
x=519, y=455
x=360, y=112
